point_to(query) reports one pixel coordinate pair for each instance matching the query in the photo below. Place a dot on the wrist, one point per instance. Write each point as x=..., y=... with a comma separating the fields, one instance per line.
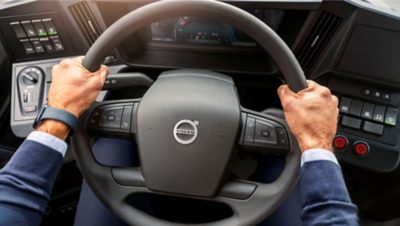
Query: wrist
x=309, y=144
x=55, y=128
x=65, y=107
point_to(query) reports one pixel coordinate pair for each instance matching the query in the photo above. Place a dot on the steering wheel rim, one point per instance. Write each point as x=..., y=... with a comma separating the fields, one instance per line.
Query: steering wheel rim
x=266, y=195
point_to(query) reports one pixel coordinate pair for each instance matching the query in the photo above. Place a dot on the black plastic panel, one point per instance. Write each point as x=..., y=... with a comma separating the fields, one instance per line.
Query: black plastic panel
x=384, y=153
x=45, y=18
x=374, y=52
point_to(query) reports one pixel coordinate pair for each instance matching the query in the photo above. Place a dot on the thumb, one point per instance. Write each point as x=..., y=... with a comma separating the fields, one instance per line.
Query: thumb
x=103, y=73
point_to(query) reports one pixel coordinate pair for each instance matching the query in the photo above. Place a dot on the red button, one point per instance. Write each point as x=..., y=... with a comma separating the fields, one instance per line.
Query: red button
x=361, y=148
x=340, y=142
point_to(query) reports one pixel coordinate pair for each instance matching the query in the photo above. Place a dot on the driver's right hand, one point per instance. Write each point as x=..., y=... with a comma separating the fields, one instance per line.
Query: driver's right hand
x=311, y=114
x=73, y=87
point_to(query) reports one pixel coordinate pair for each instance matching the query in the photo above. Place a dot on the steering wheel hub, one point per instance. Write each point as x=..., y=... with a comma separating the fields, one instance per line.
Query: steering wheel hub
x=203, y=111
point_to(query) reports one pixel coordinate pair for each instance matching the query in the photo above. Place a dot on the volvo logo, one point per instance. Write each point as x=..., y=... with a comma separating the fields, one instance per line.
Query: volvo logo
x=185, y=131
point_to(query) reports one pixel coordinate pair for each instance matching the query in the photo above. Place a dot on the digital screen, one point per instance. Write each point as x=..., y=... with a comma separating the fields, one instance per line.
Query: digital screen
x=193, y=30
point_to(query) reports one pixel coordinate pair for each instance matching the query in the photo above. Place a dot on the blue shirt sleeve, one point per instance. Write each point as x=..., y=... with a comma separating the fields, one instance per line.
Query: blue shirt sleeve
x=324, y=195
x=49, y=140
x=318, y=154
x=26, y=183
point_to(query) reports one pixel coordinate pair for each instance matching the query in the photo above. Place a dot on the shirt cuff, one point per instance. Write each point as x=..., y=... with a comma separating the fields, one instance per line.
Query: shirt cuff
x=318, y=154
x=49, y=140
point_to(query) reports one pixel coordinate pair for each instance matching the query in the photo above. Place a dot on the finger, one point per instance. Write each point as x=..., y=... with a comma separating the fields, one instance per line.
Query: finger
x=314, y=86
x=311, y=87
x=312, y=83
x=68, y=61
x=54, y=69
x=284, y=91
x=324, y=91
x=103, y=73
x=287, y=96
x=335, y=100
x=79, y=59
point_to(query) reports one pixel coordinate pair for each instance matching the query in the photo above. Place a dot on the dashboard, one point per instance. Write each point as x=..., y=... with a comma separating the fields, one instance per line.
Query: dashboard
x=349, y=46
x=37, y=41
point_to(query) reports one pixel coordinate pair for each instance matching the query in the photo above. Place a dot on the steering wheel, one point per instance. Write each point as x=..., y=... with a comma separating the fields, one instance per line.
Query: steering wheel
x=188, y=127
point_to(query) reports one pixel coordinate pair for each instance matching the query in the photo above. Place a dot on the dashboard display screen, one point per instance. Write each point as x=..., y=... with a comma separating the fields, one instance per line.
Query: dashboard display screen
x=193, y=30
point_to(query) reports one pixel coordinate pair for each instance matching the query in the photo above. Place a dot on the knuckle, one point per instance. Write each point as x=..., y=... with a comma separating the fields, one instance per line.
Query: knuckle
x=67, y=63
x=64, y=65
x=326, y=91
x=55, y=68
x=96, y=84
x=288, y=105
x=64, y=61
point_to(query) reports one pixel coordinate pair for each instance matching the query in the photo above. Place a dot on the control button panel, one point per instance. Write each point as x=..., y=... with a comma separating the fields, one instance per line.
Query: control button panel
x=263, y=135
x=112, y=120
x=369, y=138
x=367, y=117
x=37, y=36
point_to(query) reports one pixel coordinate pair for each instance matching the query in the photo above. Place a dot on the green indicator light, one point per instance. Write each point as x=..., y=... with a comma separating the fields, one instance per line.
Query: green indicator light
x=53, y=33
x=390, y=121
x=43, y=34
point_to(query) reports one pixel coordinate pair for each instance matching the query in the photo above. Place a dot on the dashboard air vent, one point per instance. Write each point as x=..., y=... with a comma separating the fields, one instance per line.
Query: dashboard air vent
x=319, y=36
x=86, y=21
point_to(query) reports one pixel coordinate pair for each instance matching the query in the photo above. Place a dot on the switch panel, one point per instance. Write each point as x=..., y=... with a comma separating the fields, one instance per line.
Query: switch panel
x=38, y=36
x=112, y=120
x=365, y=116
x=263, y=135
x=367, y=132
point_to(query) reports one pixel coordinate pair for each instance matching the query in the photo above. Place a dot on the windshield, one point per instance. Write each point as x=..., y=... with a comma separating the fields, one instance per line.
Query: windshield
x=8, y=3
x=393, y=5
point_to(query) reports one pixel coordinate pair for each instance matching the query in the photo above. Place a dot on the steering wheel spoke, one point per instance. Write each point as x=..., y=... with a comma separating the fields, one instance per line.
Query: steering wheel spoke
x=264, y=133
x=128, y=176
x=114, y=119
